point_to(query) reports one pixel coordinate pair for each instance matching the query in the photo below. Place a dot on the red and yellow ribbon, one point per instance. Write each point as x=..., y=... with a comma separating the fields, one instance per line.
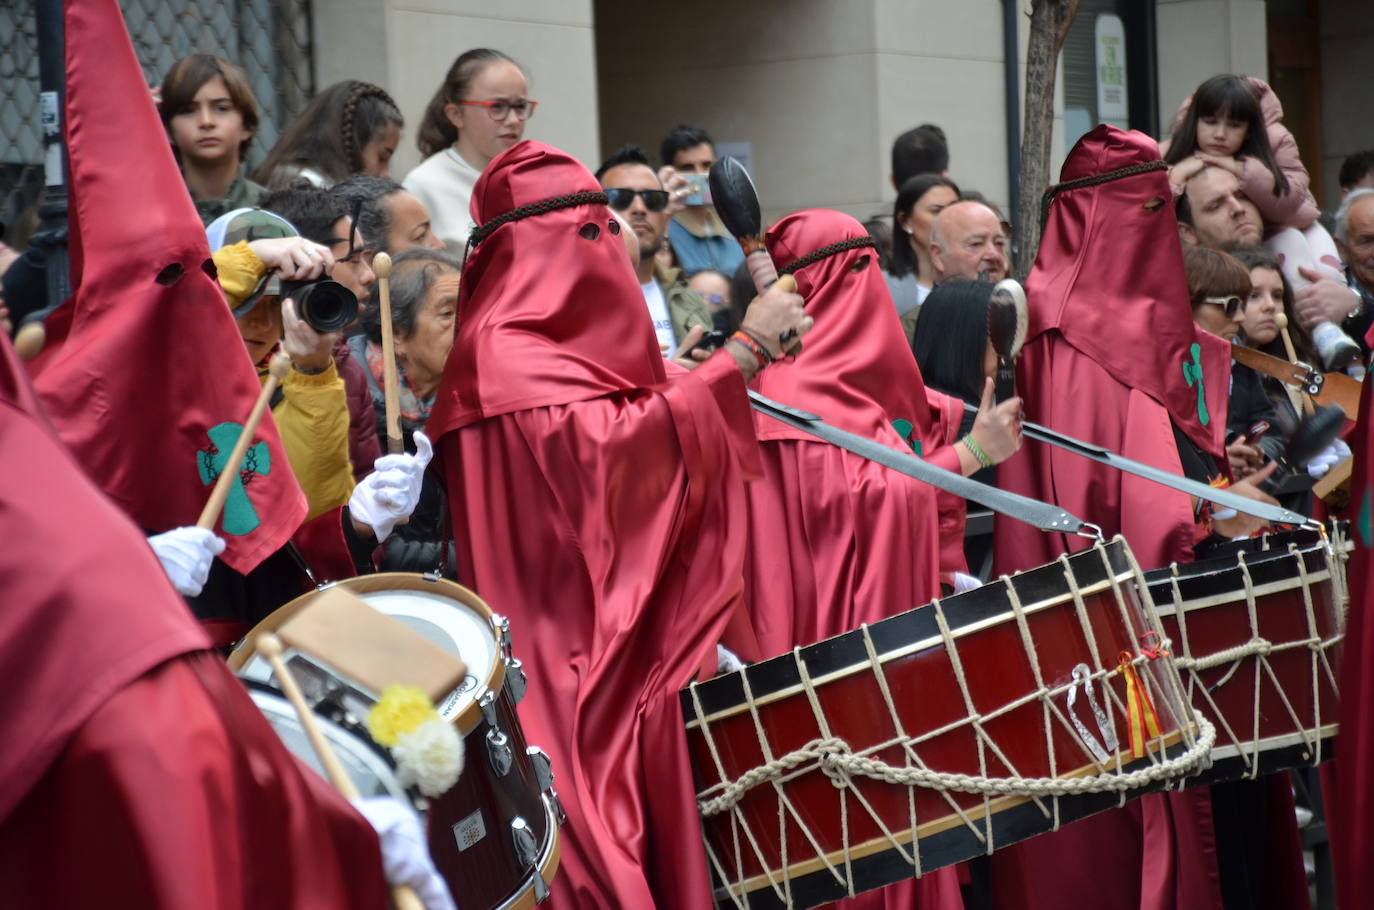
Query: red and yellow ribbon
x=1142, y=718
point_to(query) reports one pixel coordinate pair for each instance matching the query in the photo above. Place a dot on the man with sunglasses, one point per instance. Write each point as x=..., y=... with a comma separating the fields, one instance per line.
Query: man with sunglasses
x=635, y=191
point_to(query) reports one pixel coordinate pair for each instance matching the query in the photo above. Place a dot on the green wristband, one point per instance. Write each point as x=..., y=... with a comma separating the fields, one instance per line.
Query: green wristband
x=977, y=450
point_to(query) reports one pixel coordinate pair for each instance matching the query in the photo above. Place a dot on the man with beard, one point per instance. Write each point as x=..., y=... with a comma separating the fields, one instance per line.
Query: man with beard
x=637, y=194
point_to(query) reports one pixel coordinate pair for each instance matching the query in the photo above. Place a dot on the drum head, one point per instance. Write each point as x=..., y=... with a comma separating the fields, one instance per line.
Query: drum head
x=450, y=625
x=447, y=614
x=368, y=767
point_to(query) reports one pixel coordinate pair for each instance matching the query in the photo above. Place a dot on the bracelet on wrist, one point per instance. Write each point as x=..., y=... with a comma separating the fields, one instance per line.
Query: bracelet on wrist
x=754, y=339
x=983, y=458
x=753, y=346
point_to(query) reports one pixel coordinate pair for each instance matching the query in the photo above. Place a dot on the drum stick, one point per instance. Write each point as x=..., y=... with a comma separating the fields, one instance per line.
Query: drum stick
x=270, y=647
x=381, y=267
x=277, y=370
x=1281, y=320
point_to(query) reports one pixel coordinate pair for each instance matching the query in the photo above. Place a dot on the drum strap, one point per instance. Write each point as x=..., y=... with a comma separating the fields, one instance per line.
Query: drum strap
x=1039, y=514
x=1218, y=495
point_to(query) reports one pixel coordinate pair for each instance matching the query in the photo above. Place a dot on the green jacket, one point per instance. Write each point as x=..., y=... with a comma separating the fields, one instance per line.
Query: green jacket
x=243, y=193
x=685, y=306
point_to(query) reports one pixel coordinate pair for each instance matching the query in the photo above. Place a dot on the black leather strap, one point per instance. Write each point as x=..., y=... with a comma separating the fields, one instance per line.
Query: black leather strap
x=1042, y=515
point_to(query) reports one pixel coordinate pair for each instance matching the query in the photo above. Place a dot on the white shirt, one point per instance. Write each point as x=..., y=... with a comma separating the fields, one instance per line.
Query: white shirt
x=658, y=312
x=443, y=183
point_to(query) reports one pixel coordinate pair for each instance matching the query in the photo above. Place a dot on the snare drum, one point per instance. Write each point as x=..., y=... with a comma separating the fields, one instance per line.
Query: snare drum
x=938, y=734
x=368, y=765
x=494, y=835
x=1256, y=630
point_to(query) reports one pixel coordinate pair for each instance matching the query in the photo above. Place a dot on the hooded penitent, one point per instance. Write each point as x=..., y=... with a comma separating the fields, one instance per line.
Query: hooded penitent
x=1113, y=358
x=597, y=507
x=146, y=378
x=836, y=540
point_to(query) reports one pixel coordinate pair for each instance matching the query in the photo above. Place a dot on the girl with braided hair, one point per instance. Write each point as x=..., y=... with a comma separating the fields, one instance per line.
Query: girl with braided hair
x=478, y=112
x=348, y=128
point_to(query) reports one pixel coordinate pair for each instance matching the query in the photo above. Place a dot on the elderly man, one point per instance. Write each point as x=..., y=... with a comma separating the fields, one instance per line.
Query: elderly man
x=967, y=241
x=638, y=195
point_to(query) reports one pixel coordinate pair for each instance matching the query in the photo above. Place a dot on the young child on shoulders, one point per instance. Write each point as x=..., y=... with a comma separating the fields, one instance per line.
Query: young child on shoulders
x=1235, y=122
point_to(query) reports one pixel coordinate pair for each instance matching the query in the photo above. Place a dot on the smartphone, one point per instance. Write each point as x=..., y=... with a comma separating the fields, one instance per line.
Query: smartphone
x=1256, y=432
x=710, y=341
x=700, y=190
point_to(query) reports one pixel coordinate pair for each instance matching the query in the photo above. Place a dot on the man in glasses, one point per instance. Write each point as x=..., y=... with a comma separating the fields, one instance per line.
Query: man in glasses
x=635, y=191
x=327, y=219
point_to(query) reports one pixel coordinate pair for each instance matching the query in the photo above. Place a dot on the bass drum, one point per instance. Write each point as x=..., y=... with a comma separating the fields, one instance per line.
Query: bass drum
x=494, y=835
x=1256, y=628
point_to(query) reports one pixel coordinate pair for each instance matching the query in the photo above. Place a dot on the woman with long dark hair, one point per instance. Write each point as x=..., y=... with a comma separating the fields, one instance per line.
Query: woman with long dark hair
x=909, y=271
x=349, y=128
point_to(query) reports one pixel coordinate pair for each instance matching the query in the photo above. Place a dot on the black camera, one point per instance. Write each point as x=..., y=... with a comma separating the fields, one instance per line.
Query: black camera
x=325, y=305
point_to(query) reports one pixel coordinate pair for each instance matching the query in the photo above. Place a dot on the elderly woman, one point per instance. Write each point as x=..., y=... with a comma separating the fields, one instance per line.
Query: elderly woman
x=424, y=301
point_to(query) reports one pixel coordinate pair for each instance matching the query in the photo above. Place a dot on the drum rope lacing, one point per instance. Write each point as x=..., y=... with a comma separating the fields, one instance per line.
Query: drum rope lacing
x=837, y=760
x=1263, y=649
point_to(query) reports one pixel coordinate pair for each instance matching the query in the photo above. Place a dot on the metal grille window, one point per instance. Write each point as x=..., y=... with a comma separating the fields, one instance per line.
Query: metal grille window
x=270, y=39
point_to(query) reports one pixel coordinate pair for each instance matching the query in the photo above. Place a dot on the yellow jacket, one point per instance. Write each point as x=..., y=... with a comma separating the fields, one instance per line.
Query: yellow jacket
x=312, y=413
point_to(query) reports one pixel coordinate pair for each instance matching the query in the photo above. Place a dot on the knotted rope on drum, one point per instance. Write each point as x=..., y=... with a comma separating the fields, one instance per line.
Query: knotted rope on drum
x=844, y=764
x=833, y=758
x=1264, y=652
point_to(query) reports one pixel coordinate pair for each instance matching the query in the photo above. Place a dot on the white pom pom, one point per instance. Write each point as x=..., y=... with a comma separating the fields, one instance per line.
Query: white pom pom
x=430, y=757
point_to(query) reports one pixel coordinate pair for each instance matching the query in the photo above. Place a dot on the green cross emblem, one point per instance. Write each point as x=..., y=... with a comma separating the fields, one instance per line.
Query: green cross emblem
x=904, y=430
x=1363, y=524
x=1192, y=372
x=239, y=515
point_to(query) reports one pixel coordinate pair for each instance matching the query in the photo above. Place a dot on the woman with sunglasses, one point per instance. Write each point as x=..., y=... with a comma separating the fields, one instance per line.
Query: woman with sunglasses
x=1218, y=288
x=477, y=113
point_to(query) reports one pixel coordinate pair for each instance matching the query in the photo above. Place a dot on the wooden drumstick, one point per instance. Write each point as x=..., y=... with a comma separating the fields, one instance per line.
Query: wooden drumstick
x=381, y=267
x=270, y=647
x=1281, y=320
x=277, y=371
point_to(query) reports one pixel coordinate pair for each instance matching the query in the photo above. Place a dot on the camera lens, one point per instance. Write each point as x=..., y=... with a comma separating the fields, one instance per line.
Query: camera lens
x=326, y=306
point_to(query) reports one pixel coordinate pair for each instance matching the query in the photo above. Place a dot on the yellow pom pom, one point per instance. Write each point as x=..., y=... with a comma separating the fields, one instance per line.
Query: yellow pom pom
x=400, y=710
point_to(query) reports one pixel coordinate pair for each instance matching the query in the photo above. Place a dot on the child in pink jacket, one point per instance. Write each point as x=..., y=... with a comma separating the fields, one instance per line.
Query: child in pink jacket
x=1234, y=122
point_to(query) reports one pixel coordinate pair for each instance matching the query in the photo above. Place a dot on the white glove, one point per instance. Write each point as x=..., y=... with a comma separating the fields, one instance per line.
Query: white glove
x=964, y=583
x=389, y=494
x=186, y=554
x=1328, y=458
x=405, y=856
x=727, y=661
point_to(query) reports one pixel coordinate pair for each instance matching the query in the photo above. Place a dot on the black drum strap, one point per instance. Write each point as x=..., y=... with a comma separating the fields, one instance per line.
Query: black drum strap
x=1033, y=512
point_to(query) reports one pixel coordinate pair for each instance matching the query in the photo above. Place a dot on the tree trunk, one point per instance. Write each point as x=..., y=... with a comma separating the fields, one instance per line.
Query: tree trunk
x=1050, y=21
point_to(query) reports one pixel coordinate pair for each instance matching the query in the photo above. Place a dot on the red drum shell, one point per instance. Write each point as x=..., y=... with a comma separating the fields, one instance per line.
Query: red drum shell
x=747, y=844
x=1273, y=711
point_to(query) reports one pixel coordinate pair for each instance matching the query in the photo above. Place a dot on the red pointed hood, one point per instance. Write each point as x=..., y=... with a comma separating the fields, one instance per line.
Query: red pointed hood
x=1109, y=277
x=145, y=360
x=855, y=369
x=550, y=311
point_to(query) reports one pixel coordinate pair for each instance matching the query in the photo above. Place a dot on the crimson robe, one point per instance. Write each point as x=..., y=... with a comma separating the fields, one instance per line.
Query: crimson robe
x=599, y=507
x=1110, y=330
x=136, y=770
x=837, y=540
